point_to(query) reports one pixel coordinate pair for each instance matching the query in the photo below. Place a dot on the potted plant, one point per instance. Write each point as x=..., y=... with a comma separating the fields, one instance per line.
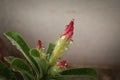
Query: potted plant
x=40, y=64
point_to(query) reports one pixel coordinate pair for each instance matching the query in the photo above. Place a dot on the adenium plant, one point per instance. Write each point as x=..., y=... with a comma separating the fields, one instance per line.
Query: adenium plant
x=40, y=64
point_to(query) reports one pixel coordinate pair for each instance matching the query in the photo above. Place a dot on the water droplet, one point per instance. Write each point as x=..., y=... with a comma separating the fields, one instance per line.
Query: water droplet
x=71, y=41
x=43, y=48
x=66, y=48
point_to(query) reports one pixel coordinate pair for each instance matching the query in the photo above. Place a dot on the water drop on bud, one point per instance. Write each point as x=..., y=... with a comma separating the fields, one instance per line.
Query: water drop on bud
x=66, y=48
x=71, y=41
x=43, y=48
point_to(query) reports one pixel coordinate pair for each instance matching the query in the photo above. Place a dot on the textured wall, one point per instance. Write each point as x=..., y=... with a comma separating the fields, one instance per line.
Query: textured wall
x=97, y=26
x=1, y=17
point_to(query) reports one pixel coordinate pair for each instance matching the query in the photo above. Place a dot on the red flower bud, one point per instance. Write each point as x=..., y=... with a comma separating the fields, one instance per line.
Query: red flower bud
x=39, y=44
x=69, y=30
x=62, y=64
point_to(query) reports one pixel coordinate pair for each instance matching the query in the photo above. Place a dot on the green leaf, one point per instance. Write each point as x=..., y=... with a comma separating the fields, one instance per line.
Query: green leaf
x=9, y=59
x=57, y=77
x=5, y=73
x=20, y=65
x=49, y=50
x=19, y=42
x=36, y=55
x=81, y=72
x=42, y=63
x=61, y=78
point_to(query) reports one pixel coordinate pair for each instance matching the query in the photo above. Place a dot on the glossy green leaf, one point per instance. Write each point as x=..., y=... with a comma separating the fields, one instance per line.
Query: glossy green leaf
x=23, y=67
x=19, y=42
x=81, y=72
x=5, y=73
x=36, y=55
x=42, y=63
x=9, y=59
x=20, y=62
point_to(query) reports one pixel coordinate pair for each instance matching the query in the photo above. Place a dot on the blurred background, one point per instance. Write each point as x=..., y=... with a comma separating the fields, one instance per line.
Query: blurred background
x=96, y=40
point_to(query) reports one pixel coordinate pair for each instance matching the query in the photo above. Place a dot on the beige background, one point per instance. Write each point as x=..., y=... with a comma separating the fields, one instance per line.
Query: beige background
x=97, y=26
